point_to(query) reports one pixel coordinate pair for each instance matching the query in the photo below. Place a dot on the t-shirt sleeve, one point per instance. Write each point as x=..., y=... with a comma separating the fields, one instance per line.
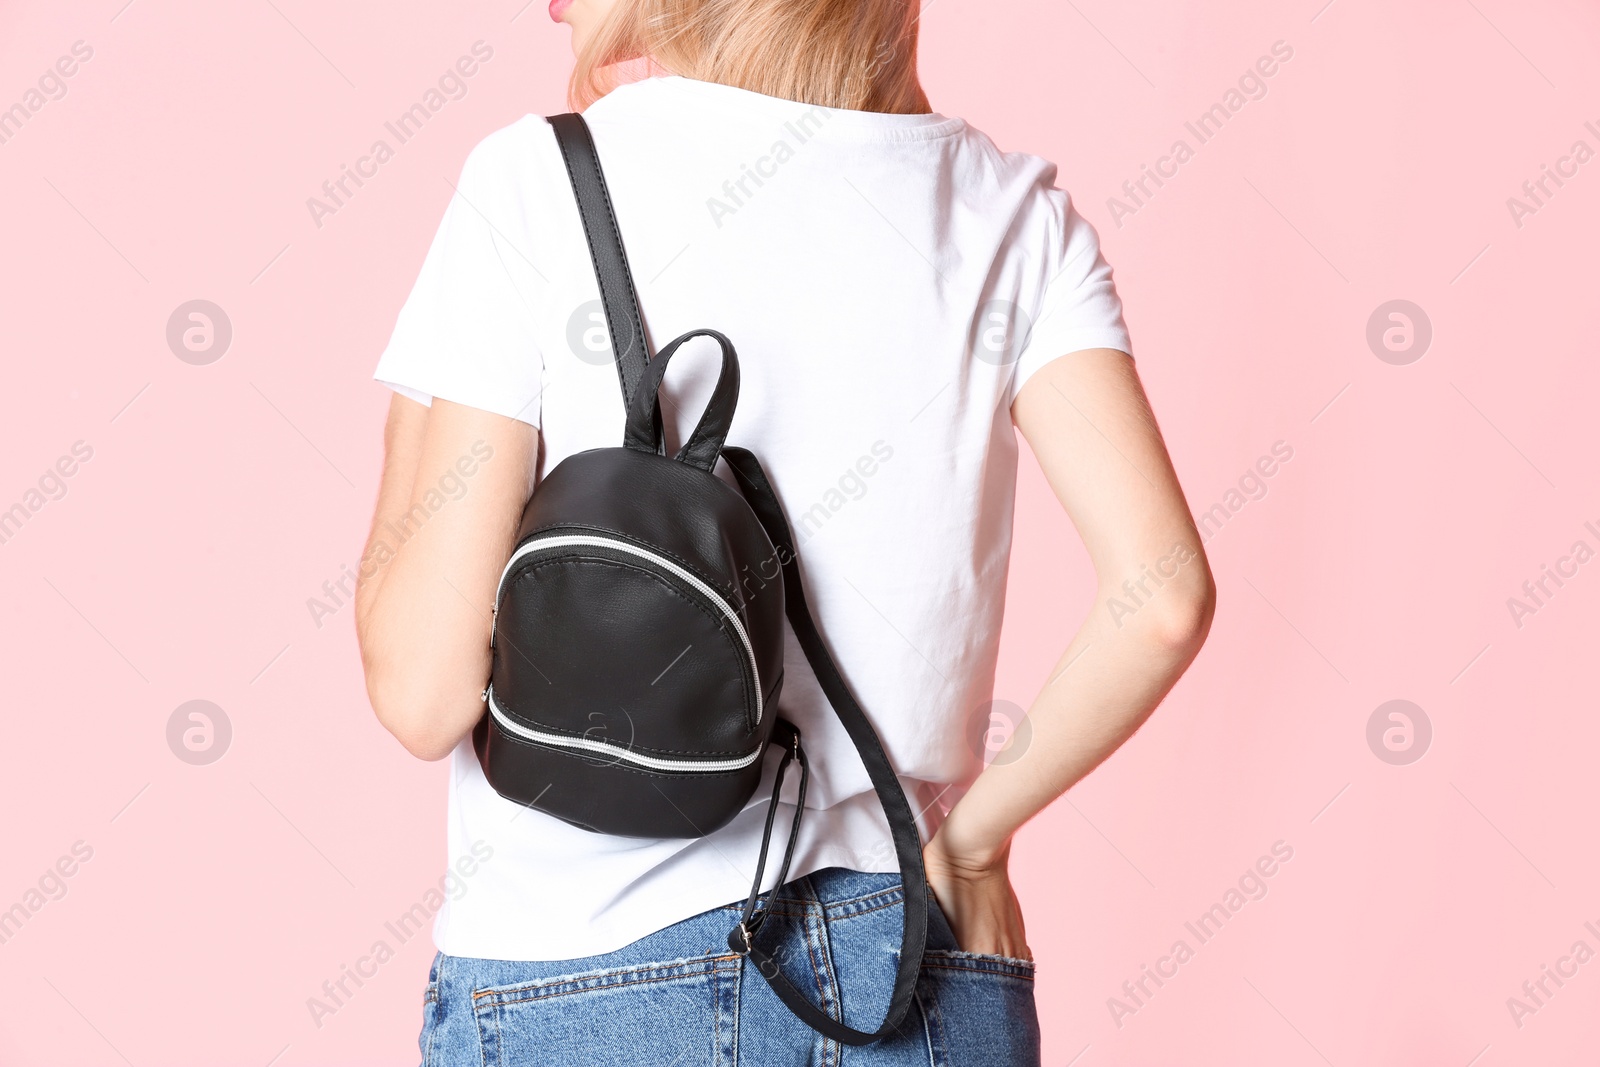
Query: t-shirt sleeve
x=1080, y=308
x=466, y=332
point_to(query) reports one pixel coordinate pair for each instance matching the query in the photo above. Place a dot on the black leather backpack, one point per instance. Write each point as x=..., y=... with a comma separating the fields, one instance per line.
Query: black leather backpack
x=638, y=634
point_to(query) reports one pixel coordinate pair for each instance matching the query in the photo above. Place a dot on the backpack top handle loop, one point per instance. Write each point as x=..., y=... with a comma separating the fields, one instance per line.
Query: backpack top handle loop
x=705, y=443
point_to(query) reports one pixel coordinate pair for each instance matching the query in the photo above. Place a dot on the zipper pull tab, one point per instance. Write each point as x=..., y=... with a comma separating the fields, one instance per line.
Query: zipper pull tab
x=483, y=697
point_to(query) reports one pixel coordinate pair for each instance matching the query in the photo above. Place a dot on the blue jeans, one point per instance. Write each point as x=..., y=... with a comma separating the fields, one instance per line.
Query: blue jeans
x=680, y=998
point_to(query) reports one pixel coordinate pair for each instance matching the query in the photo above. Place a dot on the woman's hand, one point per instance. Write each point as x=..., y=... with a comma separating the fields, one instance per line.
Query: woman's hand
x=977, y=900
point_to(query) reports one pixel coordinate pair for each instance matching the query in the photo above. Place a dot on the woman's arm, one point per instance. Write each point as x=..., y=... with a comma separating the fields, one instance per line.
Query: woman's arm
x=1086, y=418
x=454, y=485
x=402, y=450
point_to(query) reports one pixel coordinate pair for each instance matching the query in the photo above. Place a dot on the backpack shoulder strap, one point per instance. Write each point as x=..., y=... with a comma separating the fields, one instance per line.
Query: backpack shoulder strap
x=629, y=345
x=902, y=824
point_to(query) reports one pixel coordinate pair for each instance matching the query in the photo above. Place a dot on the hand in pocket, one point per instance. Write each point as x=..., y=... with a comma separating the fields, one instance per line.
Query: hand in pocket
x=978, y=902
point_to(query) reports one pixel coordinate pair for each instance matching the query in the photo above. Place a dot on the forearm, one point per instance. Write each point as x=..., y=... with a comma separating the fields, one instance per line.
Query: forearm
x=436, y=553
x=1115, y=672
x=402, y=446
x=425, y=648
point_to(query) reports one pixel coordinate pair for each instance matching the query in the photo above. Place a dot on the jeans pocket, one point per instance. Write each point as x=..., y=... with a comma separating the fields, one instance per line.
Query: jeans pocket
x=980, y=1009
x=682, y=1012
x=981, y=963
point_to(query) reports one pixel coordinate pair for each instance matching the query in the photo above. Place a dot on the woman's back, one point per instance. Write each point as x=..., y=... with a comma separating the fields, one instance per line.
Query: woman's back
x=889, y=282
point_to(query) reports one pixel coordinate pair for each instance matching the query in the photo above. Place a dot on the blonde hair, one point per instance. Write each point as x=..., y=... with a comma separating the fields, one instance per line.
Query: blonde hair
x=855, y=54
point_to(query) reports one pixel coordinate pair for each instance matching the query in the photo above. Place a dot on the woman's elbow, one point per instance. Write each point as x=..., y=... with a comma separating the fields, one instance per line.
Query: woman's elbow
x=1175, y=622
x=1181, y=622
x=422, y=727
x=425, y=743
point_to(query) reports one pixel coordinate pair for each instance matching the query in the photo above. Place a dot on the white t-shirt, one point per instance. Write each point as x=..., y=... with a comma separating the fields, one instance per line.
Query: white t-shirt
x=889, y=282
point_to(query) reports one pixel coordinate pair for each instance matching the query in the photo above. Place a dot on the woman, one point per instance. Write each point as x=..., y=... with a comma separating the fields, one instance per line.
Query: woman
x=902, y=294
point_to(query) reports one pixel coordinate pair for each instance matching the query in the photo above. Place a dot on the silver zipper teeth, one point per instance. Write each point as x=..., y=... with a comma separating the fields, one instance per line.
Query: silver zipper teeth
x=655, y=763
x=565, y=540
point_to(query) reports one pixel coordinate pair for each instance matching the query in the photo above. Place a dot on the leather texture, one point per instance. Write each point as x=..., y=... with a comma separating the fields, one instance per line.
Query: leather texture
x=591, y=637
x=608, y=797
x=639, y=632
x=704, y=445
x=692, y=517
x=684, y=692
x=629, y=344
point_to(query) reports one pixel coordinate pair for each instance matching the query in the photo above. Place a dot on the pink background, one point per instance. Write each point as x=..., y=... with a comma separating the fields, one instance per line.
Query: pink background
x=1377, y=566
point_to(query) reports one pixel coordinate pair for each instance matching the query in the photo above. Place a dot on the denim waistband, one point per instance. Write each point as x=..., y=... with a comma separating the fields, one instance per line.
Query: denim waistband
x=836, y=892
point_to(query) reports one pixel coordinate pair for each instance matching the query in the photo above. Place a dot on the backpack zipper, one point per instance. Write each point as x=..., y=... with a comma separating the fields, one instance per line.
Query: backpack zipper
x=568, y=540
x=655, y=763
